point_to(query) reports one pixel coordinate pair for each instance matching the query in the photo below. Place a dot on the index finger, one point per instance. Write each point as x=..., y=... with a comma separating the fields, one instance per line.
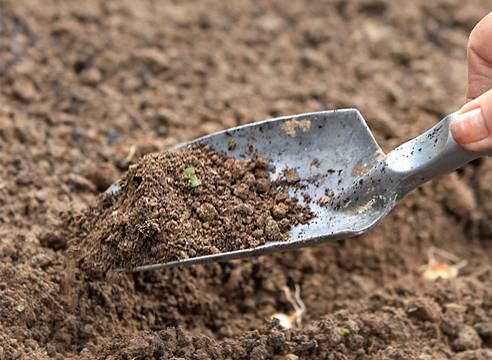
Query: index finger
x=480, y=58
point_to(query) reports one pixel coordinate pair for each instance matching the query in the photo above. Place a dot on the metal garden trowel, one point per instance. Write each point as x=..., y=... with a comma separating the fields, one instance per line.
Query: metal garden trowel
x=335, y=153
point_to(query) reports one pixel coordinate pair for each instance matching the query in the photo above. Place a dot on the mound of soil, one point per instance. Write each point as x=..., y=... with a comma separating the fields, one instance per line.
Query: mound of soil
x=88, y=87
x=161, y=212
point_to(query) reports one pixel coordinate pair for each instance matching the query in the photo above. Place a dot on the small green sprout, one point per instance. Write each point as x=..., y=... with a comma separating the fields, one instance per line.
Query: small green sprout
x=190, y=173
x=345, y=331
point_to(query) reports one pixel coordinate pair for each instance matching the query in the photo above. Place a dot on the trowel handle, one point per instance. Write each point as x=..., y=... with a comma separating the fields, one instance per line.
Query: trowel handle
x=431, y=154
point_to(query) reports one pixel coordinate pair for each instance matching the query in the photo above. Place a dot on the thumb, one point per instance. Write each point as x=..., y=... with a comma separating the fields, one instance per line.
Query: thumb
x=480, y=58
x=472, y=128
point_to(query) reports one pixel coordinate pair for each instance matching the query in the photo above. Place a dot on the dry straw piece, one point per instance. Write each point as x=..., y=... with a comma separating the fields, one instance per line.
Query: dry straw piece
x=293, y=320
x=441, y=265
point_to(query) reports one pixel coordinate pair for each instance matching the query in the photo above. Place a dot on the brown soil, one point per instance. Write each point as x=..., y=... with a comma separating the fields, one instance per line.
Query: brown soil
x=86, y=88
x=158, y=214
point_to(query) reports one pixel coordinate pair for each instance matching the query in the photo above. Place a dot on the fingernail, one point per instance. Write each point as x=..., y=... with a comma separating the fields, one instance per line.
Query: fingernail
x=469, y=127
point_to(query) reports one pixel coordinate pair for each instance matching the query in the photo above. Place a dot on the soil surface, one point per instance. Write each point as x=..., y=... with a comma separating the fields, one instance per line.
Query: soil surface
x=177, y=205
x=87, y=88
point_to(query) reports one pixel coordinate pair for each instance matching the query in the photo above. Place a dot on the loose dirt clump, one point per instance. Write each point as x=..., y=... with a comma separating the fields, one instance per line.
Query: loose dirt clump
x=176, y=205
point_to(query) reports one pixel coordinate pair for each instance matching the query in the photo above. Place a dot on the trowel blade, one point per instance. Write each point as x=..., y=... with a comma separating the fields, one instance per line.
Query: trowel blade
x=329, y=150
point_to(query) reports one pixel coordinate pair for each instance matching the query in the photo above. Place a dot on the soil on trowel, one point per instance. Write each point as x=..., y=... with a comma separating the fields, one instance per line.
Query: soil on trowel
x=176, y=205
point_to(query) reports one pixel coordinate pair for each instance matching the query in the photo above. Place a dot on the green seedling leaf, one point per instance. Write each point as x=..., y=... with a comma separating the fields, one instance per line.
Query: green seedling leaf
x=190, y=173
x=345, y=331
x=195, y=181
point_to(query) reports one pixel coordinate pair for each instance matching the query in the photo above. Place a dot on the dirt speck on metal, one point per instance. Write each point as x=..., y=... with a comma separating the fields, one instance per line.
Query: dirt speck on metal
x=289, y=127
x=360, y=170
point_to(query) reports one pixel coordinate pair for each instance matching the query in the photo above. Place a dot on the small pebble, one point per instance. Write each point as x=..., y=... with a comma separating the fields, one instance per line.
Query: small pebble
x=279, y=211
x=262, y=185
x=291, y=176
x=207, y=212
x=272, y=230
x=242, y=191
x=468, y=339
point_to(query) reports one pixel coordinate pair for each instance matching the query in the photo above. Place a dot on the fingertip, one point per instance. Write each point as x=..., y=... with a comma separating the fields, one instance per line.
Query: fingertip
x=479, y=34
x=472, y=128
x=480, y=58
x=469, y=127
x=457, y=131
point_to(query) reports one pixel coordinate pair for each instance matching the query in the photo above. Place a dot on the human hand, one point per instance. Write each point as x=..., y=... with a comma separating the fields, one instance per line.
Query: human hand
x=472, y=128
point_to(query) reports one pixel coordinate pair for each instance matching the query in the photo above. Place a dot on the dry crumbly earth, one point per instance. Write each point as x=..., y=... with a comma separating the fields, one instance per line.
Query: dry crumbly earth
x=88, y=87
x=156, y=213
